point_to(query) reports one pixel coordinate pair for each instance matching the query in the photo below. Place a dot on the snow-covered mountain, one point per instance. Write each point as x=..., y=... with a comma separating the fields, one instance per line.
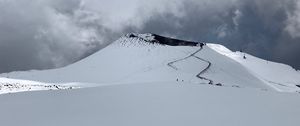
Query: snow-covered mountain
x=149, y=58
x=150, y=80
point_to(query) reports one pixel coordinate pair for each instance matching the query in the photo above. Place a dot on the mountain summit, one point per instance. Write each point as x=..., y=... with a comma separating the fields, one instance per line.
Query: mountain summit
x=153, y=38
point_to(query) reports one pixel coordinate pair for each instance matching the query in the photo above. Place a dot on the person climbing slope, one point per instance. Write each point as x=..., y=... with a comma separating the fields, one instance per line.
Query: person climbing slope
x=201, y=45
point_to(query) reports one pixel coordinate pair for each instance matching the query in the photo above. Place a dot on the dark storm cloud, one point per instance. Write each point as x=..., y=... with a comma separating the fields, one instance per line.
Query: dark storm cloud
x=17, y=44
x=258, y=27
x=39, y=34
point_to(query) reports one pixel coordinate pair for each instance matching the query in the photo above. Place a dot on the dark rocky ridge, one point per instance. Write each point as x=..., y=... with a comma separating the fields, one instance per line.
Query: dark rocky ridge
x=167, y=41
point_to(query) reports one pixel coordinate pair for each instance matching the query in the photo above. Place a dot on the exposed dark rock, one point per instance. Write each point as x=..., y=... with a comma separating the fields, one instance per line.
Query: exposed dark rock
x=131, y=36
x=166, y=40
x=219, y=84
x=173, y=42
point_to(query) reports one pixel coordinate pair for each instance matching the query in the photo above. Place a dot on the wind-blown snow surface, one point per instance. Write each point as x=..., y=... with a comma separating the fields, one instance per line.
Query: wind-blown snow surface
x=159, y=104
x=136, y=58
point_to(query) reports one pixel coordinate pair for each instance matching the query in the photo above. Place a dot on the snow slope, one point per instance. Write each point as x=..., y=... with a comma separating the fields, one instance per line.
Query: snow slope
x=279, y=76
x=148, y=58
x=124, y=58
x=152, y=104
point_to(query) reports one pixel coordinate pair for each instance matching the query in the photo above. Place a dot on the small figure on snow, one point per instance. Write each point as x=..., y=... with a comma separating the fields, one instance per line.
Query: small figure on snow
x=244, y=56
x=201, y=45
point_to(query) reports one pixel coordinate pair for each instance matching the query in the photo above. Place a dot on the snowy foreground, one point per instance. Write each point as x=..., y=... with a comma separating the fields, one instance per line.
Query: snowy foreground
x=150, y=80
x=159, y=104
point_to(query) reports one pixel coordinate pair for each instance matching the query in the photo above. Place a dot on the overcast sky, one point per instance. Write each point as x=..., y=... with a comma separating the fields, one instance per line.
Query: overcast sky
x=40, y=34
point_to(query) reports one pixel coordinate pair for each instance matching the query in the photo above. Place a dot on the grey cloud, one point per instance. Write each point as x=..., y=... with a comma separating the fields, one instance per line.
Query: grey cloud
x=53, y=33
x=47, y=34
x=257, y=27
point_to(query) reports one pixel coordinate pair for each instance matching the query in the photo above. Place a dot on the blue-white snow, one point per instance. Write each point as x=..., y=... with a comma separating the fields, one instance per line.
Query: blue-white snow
x=136, y=81
x=151, y=104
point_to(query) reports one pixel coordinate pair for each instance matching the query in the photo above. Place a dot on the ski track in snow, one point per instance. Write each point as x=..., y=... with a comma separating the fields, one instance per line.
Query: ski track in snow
x=203, y=71
x=170, y=64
